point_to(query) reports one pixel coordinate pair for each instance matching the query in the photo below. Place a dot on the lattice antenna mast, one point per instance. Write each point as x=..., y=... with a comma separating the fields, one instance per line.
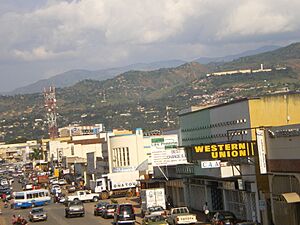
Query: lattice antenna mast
x=50, y=105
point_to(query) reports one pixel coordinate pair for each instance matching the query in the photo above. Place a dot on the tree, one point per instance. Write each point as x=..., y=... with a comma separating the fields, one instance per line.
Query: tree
x=36, y=154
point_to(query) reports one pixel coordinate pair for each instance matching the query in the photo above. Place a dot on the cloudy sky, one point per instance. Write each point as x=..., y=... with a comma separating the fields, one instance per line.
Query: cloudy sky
x=41, y=38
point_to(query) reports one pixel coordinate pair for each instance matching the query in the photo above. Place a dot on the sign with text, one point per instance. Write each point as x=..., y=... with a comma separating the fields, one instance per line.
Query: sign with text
x=210, y=164
x=224, y=150
x=164, y=151
x=261, y=148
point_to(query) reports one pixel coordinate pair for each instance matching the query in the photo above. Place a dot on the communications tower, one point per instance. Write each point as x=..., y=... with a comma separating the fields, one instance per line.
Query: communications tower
x=50, y=105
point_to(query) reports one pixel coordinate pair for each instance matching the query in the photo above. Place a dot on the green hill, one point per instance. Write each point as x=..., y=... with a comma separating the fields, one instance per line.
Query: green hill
x=150, y=100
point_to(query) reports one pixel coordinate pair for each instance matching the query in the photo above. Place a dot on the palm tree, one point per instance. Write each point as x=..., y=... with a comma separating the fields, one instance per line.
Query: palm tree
x=36, y=154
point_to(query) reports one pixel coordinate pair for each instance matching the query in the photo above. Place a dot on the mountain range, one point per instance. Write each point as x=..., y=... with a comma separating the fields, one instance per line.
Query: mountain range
x=150, y=99
x=71, y=77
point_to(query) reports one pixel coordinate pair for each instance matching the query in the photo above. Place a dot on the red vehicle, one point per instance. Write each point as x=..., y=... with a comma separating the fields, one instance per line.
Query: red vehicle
x=35, y=187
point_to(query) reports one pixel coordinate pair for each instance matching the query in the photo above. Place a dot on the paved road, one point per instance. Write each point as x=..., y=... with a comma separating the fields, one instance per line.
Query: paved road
x=56, y=216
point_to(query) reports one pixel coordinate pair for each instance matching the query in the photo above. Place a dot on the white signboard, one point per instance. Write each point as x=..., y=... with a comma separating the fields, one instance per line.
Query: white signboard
x=210, y=164
x=261, y=148
x=165, y=152
x=123, y=169
x=121, y=185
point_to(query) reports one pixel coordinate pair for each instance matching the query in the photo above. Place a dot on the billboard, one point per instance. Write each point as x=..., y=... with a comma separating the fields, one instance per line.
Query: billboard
x=164, y=151
x=228, y=150
x=261, y=148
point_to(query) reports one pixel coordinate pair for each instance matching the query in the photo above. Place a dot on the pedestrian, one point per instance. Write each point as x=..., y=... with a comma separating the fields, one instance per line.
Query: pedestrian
x=19, y=220
x=24, y=221
x=206, y=211
x=14, y=219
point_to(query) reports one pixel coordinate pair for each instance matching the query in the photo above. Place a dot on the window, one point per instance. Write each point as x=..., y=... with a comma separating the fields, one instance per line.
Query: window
x=19, y=196
x=72, y=150
x=29, y=196
x=128, y=158
x=124, y=157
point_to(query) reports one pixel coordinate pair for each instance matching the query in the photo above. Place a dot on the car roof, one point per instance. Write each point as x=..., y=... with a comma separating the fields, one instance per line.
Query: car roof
x=37, y=209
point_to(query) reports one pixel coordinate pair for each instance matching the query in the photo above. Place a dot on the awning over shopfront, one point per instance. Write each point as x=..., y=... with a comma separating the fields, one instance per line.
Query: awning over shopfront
x=291, y=197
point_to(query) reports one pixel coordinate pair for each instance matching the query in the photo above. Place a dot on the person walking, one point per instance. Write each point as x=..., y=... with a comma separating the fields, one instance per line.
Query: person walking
x=14, y=219
x=206, y=211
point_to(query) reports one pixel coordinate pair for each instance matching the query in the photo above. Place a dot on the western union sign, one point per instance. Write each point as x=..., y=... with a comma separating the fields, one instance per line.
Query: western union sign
x=225, y=150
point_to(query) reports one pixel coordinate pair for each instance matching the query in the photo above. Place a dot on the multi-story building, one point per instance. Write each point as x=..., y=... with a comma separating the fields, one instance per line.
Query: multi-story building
x=231, y=182
x=79, y=130
x=283, y=168
x=18, y=151
x=84, y=155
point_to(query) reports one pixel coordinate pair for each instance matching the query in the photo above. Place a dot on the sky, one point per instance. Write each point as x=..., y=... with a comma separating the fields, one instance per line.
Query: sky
x=42, y=38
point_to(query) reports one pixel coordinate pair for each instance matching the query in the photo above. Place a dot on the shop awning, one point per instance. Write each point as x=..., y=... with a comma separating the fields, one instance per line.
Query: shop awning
x=291, y=197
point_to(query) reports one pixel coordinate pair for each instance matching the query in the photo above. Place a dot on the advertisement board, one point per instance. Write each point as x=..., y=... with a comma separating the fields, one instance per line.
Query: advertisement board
x=210, y=164
x=164, y=151
x=227, y=150
x=261, y=148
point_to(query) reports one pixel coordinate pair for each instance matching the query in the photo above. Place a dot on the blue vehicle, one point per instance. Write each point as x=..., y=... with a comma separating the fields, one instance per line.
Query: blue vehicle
x=31, y=198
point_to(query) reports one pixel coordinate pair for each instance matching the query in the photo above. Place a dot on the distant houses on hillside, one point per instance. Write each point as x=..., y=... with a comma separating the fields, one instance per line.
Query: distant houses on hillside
x=245, y=71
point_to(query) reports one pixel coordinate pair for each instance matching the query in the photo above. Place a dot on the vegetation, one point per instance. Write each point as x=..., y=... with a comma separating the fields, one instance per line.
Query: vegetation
x=150, y=100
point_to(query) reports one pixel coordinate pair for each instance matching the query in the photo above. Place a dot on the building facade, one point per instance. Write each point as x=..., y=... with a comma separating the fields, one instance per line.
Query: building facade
x=231, y=183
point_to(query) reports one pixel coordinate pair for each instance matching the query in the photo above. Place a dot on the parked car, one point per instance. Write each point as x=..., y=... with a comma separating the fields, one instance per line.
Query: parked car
x=181, y=215
x=224, y=218
x=74, y=208
x=98, y=209
x=154, y=210
x=124, y=214
x=109, y=211
x=154, y=220
x=37, y=214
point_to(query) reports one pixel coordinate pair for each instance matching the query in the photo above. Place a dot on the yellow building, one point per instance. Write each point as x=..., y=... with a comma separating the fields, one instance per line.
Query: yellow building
x=223, y=187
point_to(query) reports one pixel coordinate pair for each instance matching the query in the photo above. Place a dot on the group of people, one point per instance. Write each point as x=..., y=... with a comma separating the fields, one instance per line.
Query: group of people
x=18, y=220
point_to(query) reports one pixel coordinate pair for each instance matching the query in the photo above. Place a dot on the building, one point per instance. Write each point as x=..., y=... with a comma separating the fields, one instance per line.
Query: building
x=85, y=155
x=283, y=168
x=18, y=151
x=231, y=182
x=79, y=130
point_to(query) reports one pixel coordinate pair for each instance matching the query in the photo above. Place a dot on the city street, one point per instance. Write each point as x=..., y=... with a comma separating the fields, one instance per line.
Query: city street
x=56, y=216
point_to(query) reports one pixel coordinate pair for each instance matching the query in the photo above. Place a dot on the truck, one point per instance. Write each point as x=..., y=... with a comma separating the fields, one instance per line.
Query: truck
x=83, y=196
x=115, y=184
x=42, y=179
x=151, y=198
x=181, y=215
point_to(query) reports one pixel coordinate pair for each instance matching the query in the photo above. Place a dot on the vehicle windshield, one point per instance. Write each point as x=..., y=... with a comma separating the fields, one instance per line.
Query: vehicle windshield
x=102, y=204
x=76, y=203
x=227, y=215
x=154, y=218
x=39, y=210
x=111, y=206
x=156, y=208
x=126, y=208
x=181, y=210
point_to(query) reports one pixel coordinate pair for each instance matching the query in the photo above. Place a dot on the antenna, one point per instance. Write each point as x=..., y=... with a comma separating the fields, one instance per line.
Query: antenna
x=50, y=105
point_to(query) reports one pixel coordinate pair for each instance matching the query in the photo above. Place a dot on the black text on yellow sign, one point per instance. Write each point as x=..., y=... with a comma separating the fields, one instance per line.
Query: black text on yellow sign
x=227, y=150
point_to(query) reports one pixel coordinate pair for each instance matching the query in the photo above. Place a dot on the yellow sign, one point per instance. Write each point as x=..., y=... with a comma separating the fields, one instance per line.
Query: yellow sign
x=225, y=150
x=56, y=172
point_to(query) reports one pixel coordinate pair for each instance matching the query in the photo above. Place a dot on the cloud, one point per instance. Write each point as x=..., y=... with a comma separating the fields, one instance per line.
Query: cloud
x=258, y=18
x=81, y=25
